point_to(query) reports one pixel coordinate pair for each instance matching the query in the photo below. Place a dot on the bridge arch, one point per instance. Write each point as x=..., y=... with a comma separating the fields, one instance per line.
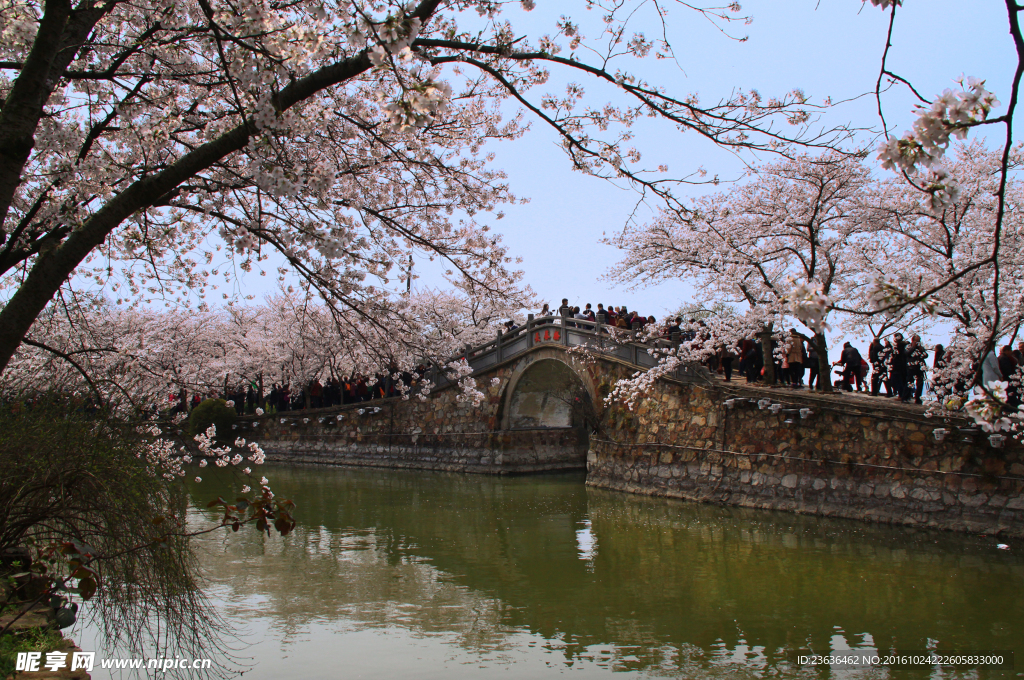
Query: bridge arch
x=548, y=389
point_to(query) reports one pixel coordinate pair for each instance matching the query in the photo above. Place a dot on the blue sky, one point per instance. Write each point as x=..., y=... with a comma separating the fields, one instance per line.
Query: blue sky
x=830, y=48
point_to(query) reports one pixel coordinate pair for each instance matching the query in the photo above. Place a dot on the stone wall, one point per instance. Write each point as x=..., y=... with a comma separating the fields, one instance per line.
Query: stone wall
x=441, y=433
x=854, y=457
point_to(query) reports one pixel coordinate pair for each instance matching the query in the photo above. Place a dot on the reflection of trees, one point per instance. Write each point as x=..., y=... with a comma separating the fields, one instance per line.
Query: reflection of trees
x=671, y=584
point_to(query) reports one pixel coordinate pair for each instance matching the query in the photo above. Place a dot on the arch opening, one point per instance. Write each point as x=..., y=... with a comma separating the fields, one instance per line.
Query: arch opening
x=549, y=394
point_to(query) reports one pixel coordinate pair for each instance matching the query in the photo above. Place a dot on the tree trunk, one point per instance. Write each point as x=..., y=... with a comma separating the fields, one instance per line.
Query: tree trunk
x=824, y=368
x=767, y=354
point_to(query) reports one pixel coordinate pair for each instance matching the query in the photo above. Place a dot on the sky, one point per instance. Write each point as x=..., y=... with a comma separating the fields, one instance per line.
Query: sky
x=827, y=48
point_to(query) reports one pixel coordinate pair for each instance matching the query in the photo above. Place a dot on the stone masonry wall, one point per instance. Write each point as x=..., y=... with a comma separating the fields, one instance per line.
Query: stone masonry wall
x=441, y=433
x=854, y=457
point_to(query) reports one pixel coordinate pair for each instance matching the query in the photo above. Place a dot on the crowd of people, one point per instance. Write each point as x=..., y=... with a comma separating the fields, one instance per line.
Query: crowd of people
x=894, y=364
x=619, y=317
x=333, y=391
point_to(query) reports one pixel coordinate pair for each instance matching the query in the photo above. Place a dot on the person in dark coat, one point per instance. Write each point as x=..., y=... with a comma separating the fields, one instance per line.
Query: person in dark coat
x=813, y=366
x=917, y=360
x=850, y=360
x=878, y=372
x=898, y=367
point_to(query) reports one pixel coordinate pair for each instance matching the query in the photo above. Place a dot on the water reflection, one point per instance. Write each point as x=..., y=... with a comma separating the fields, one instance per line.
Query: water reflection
x=440, y=574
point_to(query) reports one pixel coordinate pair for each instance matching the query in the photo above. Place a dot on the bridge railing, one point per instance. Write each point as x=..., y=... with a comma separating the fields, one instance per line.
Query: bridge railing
x=625, y=344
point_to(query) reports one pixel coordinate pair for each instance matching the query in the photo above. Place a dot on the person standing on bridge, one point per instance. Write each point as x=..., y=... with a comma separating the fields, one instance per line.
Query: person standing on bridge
x=795, y=358
x=917, y=360
x=565, y=311
x=898, y=367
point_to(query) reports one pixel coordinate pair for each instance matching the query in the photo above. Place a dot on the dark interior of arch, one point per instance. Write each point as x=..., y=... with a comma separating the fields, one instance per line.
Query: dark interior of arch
x=548, y=394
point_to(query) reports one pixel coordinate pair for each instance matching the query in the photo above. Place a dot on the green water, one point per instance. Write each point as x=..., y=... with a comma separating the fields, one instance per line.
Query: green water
x=429, y=575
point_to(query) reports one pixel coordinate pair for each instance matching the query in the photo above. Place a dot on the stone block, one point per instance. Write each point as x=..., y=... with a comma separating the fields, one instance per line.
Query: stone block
x=925, y=495
x=973, y=501
x=790, y=481
x=997, y=501
x=897, y=491
x=819, y=484
x=1016, y=503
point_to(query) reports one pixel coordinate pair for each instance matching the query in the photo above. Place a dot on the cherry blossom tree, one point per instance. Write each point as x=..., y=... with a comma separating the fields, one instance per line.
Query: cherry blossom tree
x=789, y=235
x=339, y=138
x=919, y=157
x=138, y=358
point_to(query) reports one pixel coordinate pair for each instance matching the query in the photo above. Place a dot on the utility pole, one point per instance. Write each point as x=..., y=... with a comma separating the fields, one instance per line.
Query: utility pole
x=408, y=280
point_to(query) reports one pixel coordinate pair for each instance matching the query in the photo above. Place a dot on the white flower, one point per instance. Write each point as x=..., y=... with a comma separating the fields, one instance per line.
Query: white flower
x=377, y=55
x=264, y=481
x=810, y=306
x=229, y=403
x=199, y=479
x=202, y=463
x=495, y=382
x=259, y=411
x=247, y=471
x=246, y=489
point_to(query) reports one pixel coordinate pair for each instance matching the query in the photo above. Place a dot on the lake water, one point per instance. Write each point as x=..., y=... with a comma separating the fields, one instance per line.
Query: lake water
x=426, y=575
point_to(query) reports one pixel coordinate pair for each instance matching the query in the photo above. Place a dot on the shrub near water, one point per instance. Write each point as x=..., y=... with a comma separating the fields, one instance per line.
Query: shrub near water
x=212, y=412
x=68, y=477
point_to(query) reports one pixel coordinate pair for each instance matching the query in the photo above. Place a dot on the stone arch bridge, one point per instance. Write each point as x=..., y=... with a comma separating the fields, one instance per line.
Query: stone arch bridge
x=544, y=385
x=694, y=437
